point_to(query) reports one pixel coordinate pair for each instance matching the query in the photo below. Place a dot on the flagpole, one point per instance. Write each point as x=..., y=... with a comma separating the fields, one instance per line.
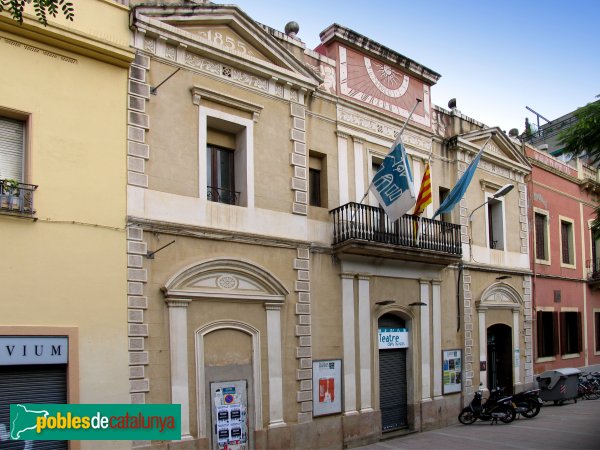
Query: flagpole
x=399, y=136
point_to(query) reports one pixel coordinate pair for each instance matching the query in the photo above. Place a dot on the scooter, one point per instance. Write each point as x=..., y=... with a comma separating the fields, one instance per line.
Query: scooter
x=495, y=407
x=528, y=403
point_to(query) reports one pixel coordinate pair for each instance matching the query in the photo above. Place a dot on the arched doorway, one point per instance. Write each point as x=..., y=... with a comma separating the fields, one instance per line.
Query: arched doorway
x=393, y=401
x=499, y=357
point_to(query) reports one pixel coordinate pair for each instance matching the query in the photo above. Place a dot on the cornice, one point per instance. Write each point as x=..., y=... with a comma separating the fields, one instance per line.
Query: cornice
x=69, y=39
x=356, y=40
x=294, y=73
x=383, y=129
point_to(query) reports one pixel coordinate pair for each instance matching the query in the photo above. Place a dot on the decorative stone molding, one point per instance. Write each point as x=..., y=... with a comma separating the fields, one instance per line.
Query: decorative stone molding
x=298, y=159
x=137, y=304
x=382, y=129
x=528, y=328
x=225, y=279
x=523, y=220
x=468, y=324
x=138, y=152
x=301, y=265
x=233, y=102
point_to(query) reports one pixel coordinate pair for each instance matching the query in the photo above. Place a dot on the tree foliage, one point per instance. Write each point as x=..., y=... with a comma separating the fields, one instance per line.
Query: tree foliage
x=583, y=138
x=42, y=8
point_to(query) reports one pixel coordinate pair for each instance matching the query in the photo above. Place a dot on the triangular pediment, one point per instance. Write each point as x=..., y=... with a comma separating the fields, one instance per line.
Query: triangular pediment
x=499, y=148
x=226, y=37
x=226, y=34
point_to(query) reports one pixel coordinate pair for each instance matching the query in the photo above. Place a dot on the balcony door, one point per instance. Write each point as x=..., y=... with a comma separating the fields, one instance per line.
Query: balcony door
x=220, y=175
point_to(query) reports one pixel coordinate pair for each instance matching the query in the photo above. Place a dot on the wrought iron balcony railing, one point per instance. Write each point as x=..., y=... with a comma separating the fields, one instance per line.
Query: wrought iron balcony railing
x=16, y=198
x=593, y=266
x=221, y=195
x=354, y=221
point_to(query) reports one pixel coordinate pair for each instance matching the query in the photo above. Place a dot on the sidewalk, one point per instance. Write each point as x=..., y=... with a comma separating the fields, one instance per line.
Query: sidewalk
x=571, y=426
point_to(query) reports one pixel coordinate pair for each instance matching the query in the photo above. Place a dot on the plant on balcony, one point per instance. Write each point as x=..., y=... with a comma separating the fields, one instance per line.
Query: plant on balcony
x=10, y=197
x=11, y=187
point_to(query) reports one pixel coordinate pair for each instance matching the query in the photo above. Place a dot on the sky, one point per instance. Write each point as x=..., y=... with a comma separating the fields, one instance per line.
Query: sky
x=495, y=57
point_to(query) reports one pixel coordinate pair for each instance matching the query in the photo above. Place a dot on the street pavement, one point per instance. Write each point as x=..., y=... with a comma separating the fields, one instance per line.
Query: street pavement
x=570, y=426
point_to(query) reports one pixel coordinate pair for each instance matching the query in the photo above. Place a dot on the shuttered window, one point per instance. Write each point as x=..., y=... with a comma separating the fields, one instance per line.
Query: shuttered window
x=570, y=332
x=31, y=384
x=547, y=333
x=11, y=148
x=540, y=237
x=566, y=234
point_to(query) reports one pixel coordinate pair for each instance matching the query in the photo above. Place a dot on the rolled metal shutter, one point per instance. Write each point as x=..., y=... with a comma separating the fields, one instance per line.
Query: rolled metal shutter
x=392, y=389
x=11, y=148
x=31, y=384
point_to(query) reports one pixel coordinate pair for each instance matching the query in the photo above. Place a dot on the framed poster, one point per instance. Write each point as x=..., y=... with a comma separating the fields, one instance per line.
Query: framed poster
x=452, y=371
x=327, y=387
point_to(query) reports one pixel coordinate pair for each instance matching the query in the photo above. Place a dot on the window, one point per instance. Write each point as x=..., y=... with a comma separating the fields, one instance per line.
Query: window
x=495, y=224
x=226, y=147
x=547, y=333
x=595, y=263
x=447, y=216
x=541, y=237
x=314, y=187
x=570, y=332
x=11, y=149
x=220, y=175
x=597, y=331
x=566, y=242
x=317, y=188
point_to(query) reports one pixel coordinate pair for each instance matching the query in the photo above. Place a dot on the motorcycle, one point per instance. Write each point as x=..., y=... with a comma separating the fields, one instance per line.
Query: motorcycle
x=495, y=408
x=528, y=403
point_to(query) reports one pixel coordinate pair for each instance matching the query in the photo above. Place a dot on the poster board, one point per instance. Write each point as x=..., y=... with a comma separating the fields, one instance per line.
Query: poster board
x=327, y=387
x=452, y=371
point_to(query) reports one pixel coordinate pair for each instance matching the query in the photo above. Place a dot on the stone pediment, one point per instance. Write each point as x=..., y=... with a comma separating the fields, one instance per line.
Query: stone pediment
x=499, y=149
x=225, y=279
x=500, y=296
x=228, y=39
x=222, y=33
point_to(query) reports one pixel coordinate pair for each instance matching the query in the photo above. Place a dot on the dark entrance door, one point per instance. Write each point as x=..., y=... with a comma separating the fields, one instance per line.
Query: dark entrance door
x=499, y=357
x=392, y=381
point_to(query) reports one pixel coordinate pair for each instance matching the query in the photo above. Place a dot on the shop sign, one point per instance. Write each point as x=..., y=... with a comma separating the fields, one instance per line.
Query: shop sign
x=393, y=338
x=26, y=350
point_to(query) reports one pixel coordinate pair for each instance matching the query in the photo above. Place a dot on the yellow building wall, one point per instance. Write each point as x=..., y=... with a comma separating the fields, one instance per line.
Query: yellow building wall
x=69, y=268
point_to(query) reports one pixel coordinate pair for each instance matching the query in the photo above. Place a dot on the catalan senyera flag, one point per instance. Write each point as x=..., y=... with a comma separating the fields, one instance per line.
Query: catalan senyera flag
x=424, y=197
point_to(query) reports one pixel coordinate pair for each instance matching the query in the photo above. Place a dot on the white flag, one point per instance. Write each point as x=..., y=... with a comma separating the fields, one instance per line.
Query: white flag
x=393, y=184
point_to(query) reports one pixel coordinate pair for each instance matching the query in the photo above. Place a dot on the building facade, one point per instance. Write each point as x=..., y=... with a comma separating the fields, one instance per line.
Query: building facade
x=564, y=262
x=62, y=211
x=268, y=293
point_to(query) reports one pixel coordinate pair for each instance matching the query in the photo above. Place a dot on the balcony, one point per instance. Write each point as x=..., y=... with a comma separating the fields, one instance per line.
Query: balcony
x=593, y=267
x=16, y=199
x=366, y=230
x=220, y=195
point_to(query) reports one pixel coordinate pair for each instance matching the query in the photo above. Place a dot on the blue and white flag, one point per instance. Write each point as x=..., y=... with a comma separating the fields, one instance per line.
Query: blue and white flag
x=461, y=186
x=393, y=184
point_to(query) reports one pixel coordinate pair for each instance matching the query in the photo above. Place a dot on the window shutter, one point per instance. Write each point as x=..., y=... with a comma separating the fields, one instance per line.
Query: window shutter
x=11, y=149
x=555, y=333
x=579, y=332
x=563, y=333
x=540, y=333
x=564, y=232
x=540, y=234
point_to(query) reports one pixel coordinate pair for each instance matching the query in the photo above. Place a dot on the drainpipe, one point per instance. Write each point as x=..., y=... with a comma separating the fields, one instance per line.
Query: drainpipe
x=458, y=283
